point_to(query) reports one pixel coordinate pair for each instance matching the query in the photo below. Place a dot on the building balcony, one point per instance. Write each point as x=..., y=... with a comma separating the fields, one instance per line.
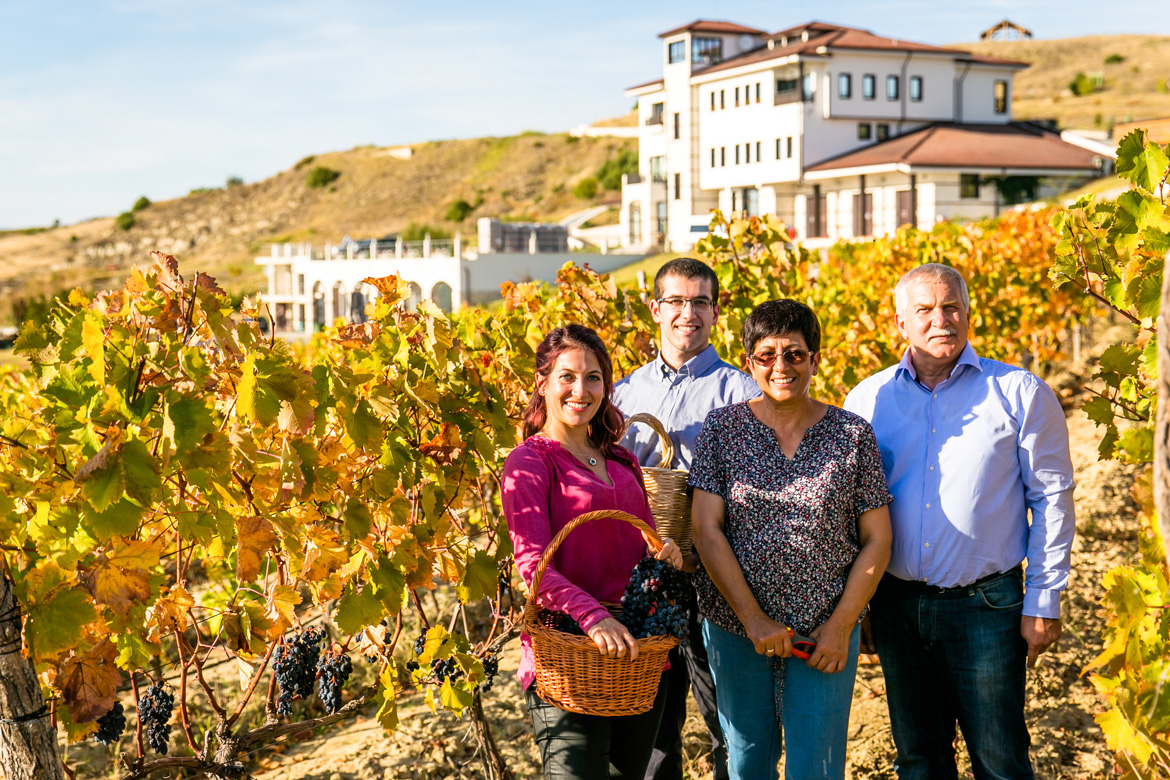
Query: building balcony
x=791, y=96
x=654, y=119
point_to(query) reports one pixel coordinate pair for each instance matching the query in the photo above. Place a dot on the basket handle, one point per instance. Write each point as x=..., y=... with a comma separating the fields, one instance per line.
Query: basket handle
x=666, y=444
x=653, y=540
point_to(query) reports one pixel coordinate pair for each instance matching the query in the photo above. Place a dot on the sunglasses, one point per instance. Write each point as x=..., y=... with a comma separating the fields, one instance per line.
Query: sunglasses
x=793, y=357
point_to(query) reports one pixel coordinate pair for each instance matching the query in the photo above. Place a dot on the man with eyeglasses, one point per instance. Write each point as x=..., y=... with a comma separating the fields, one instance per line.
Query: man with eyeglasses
x=687, y=380
x=977, y=458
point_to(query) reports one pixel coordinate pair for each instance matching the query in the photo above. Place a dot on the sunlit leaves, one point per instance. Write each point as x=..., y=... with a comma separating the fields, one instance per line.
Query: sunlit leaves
x=1141, y=162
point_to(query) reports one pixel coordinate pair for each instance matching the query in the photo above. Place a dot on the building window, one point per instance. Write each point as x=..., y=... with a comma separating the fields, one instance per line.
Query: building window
x=759, y=154
x=300, y=284
x=785, y=87
x=747, y=152
x=751, y=201
x=737, y=154
x=789, y=147
x=722, y=99
x=883, y=132
x=869, y=86
x=779, y=149
x=660, y=208
x=892, y=87
x=712, y=100
x=656, y=166
x=968, y=185
x=678, y=51
x=722, y=156
x=706, y=50
x=677, y=186
x=845, y=85
x=677, y=129
x=656, y=111
x=810, y=87
x=757, y=92
x=635, y=222
x=737, y=96
x=712, y=156
x=864, y=131
x=916, y=88
x=1001, y=97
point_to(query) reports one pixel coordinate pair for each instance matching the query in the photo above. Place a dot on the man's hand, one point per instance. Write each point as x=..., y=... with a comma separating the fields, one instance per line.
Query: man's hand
x=1039, y=633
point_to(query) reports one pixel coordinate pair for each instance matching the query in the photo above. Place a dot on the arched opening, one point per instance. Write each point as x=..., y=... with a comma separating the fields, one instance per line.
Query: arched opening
x=415, y=298
x=357, y=304
x=340, y=301
x=635, y=222
x=318, y=307
x=441, y=295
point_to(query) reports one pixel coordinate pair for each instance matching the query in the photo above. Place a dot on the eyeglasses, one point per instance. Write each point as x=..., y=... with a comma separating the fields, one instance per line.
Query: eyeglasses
x=793, y=357
x=700, y=305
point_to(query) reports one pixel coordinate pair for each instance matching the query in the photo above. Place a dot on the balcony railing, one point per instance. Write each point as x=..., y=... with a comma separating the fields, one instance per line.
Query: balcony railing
x=791, y=96
x=655, y=119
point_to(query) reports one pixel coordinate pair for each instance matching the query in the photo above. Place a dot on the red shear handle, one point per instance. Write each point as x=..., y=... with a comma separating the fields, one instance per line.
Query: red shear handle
x=802, y=646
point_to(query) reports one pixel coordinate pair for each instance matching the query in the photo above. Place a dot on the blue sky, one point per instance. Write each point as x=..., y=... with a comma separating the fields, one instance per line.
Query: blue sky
x=103, y=101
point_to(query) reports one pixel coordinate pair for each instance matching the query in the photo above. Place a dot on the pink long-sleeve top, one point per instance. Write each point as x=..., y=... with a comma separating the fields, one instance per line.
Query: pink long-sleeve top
x=545, y=487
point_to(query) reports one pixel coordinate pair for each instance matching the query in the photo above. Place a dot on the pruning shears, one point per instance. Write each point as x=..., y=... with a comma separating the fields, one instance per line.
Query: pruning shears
x=802, y=646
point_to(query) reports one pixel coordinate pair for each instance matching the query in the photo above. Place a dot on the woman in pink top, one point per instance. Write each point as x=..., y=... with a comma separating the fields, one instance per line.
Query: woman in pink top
x=570, y=464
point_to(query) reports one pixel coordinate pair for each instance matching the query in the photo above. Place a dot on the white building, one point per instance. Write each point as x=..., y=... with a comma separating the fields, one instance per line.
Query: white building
x=837, y=131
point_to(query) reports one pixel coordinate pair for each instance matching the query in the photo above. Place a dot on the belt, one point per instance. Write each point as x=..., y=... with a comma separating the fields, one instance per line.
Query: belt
x=926, y=589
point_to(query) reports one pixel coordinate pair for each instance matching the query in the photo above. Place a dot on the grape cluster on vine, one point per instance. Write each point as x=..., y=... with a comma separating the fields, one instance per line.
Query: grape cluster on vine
x=111, y=725
x=334, y=668
x=491, y=667
x=654, y=603
x=443, y=669
x=419, y=645
x=295, y=666
x=154, y=712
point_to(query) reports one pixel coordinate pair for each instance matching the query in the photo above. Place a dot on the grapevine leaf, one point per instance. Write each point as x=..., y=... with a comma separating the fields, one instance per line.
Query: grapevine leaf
x=122, y=580
x=1146, y=293
x=74, y=732
x=1137, y=445
x=34, y=344
x=1140, y=162
x=190, y=422
x=1118, y=361
x=387, y=711
x=169, y=613
x=282, y=605
x=358, y=519
x=479, y=578
x=256, y=537
x=89, y=682
x=135, y=651
x=119, y=519
x=93, y=339
x=391, y=289
x=389, y=585
x=1099, y=410
x=56, y=624
x=140, y=472
x=446, y=447
x=1120, y=735
x=358, y=609
x=1108, y=445
x=454, y=697
x=1150, y=359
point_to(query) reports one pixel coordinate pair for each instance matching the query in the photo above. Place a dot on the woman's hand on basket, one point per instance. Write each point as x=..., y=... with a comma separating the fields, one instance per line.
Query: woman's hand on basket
x=769, y=637
x=613, y=639
x=670, y=553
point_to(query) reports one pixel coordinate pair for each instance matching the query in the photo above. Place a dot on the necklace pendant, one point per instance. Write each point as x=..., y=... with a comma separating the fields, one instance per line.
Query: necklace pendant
x=593, y=461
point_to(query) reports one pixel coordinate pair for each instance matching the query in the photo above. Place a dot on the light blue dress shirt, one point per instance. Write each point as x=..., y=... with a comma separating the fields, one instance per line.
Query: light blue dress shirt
x=680, y=400
x=966, y=462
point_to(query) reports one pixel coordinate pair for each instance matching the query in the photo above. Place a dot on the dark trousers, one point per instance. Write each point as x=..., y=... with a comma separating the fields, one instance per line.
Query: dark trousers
x=688, y=670
x=593, y=747
x=954, y=657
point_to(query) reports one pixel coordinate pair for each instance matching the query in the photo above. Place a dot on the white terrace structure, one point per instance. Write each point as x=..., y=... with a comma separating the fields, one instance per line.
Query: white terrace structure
x=837, y=131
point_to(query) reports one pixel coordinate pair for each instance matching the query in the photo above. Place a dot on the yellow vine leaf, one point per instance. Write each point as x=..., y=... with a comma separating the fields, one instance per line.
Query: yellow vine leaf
x=255, y=538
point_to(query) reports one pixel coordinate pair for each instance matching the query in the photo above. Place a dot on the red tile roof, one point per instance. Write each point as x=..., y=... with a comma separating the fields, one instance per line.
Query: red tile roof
x=711, y=25
x=1014, y=145
x=646, y=84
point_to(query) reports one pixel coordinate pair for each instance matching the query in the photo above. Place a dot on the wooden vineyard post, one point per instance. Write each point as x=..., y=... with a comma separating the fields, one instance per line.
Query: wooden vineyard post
x=28, y=742
x=1162, y=421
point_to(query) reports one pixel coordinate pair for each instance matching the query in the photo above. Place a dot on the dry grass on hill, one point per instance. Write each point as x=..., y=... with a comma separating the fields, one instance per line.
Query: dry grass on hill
x=1137, y=86
x=530, y=176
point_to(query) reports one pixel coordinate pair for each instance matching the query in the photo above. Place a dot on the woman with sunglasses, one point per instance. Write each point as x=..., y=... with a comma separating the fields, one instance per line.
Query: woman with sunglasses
x=568, y=464
x=791, y=522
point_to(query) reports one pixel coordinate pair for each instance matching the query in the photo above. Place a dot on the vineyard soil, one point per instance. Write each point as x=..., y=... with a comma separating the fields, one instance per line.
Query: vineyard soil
x=1066, y=742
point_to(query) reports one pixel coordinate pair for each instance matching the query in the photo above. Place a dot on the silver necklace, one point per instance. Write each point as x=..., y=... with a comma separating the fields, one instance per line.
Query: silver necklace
x=592, y=461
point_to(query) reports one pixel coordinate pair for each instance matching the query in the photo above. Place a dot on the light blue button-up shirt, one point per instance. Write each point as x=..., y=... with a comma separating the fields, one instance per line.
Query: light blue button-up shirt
x=966, y=462
x=680, y=400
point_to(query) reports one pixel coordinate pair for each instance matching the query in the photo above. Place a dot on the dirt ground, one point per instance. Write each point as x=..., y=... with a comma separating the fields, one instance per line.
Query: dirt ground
x=1066, y=743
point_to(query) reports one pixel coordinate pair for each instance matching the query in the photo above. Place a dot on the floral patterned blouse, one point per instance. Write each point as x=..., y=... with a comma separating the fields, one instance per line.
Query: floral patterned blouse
x=792, y=524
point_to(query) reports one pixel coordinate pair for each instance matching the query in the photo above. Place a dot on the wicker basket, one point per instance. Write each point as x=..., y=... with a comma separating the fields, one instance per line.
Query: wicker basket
x=667, y=489
x=570, y=671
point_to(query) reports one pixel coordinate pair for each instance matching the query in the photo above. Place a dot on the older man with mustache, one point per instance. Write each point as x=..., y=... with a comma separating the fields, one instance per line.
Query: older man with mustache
x=977, y=458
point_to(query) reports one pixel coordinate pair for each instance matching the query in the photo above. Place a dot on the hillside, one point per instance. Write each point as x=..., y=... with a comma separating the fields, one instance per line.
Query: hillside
x=530, y=176
x=1135, y=70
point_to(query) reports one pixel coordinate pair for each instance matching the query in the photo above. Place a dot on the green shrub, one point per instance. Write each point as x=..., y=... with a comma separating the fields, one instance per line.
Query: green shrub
x=417, y=231
x=234, y=181
x=321, y=176
x=203, y=190
x=140, y=204
x=1113, y=59
x=1163, y=86
x=125, y=220
x=610, y=173
x=586, y=189
x=459, y=210
x=301, y=163
x=1081, y=84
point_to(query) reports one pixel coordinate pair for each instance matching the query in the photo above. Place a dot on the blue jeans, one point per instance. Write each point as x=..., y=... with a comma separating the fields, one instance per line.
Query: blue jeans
x=955, y=656
x=759, y=697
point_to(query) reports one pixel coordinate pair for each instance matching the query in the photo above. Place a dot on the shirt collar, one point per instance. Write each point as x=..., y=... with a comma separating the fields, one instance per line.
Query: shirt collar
x=694, y=367
x=966, y=358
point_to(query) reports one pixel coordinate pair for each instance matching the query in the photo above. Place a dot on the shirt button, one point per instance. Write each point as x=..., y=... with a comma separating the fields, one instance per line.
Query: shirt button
x=932, y=430
x=932, y=468
x=928, y=544
x=934, y=395
x=928, y=506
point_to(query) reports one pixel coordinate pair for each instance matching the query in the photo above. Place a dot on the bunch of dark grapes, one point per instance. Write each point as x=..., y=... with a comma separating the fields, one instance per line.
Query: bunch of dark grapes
x=154, y=711
x=295, y=667
x=111, y=725
x=419, y=645
x=491, y=666
x=654, y=603
x=334, y=669
x=443, y=669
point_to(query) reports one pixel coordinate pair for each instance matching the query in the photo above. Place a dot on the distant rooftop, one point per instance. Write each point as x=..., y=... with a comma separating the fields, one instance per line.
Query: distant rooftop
x=712, y=25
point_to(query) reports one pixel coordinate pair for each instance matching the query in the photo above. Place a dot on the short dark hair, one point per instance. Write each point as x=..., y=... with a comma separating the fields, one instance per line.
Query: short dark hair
x=775, y=318
x=687, y=268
